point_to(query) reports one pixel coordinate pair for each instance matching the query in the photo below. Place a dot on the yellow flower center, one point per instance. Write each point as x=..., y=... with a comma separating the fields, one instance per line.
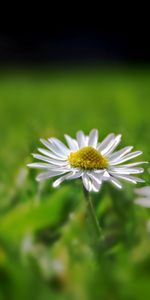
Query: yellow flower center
x=87, y=158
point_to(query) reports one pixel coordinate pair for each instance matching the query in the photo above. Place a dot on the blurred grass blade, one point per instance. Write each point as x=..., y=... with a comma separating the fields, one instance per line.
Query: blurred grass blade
x=29, y=216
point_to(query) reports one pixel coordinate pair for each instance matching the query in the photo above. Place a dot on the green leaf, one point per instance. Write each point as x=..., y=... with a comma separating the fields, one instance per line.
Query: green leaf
x=30, y=216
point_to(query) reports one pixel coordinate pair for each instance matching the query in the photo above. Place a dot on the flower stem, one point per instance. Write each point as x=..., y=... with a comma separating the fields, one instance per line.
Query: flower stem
x=92, y=212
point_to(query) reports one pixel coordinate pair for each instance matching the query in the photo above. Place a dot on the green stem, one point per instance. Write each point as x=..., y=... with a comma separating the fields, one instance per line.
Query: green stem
x=92, y=212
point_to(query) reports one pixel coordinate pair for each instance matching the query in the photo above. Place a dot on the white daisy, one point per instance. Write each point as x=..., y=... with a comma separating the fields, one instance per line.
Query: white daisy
x=85, y=157
x=143, y=198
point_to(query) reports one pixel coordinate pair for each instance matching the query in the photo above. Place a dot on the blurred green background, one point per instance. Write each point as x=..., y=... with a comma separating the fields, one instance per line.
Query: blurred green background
x=48, y=249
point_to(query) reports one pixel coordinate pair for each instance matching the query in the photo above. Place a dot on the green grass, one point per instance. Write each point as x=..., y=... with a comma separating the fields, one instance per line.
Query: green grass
x=48, y=249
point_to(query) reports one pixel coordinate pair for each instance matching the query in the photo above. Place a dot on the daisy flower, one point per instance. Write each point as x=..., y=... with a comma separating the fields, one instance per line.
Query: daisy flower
x=89, y=159
x=143, y=196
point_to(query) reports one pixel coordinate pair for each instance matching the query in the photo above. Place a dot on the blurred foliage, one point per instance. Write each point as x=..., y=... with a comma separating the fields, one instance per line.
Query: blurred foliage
x=48, y=249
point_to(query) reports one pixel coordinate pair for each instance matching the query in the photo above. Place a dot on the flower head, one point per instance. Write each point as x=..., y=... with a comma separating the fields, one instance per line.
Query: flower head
x=143, y=196
x=85, y=157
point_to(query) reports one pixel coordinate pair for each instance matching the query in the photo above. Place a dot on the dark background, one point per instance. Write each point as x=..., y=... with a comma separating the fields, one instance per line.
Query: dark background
x=72, y=44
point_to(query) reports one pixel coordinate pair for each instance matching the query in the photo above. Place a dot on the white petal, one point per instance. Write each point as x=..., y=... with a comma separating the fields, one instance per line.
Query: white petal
x=49, y=174
x=144, y=191
x=39, y=166
x=105, y=176
x=93, y=138
x=129, y=178
x=87, y=140
x=50, y=154
x=71, y=175
x=52, y=147
x=87, y=182
x=76, y=174
x=96, y=183
x=116, y=182
x=96, y=177
x=134, y=164
x=58, y=181
x=73, y=145
x=125, y=158
x=81, y=139
x=120, y=153
x=60, y=146
x=95, y=187
x=49, y=167
x=109, y=149
x=106, y=142
x=145, y=202
x=122, y=170
x=49, y=160
x=46, y=144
